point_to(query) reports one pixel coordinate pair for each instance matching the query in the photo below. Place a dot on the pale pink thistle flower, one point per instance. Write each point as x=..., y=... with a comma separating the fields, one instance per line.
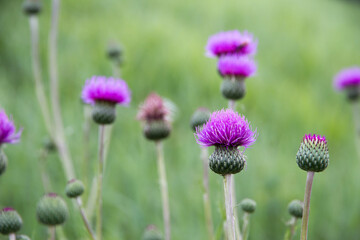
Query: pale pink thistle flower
x=348, y=79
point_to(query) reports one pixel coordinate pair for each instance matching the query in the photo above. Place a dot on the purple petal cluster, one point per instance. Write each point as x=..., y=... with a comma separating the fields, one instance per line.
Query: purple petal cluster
x=349, y=77
x=314, y=139
x=100, y=88
x=235, y=65
x=231, y=42
x=153, y=109
x=8, y=132
x=226, y=128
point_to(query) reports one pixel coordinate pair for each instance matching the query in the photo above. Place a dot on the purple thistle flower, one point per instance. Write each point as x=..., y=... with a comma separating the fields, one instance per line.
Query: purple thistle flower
x=8, y=132
x=231, y=42
x=314, y=139
x=100, y=88
x=226, y=128
x=235, y=65
x=153, y=109
x=7, y=209
x=348, y=77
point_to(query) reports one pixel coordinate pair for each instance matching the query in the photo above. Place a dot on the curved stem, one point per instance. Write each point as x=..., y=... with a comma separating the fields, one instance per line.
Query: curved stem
x=164, y=189
x=307, y=196
x=84, y=218
x=230, y=219
x=246, y=226
x=100, y=182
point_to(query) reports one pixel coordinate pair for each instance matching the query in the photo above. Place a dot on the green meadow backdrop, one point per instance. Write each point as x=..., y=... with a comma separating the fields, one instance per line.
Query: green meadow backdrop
x=302, y=44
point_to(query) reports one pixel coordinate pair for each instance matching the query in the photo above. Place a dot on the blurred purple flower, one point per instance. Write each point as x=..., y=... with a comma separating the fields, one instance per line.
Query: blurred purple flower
x=348, y=77
x=234, y=65
x=8, y=132
x=314, y=139
x=153, y=109
x=226, y=128
x=100, y=88
x=231, y=42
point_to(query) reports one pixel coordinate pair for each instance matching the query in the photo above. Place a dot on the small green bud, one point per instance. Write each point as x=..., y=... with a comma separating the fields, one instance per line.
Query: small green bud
x=295, y=208
x=49, y=145
x=248, y=205
x=226, y=160
x=115, y=52
x=3, y=162
x=233, y=89
x=152, y=233
x=32, y=7
x=104, y=112
x=200, y=117
x=156, y=130
x=10, y=221
x=22, y=237
x=52, y=210
x=74, y=188
x=352, y=93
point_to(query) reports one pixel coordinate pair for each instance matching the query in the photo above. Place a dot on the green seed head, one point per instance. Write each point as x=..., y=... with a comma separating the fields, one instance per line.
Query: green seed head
x=74, y=188
x=295, y=208
x=152, y=233
x=226, y=160
x=352, y=93
x=233, y=89
x=248, y=205
x=104, y=112
x=32, y=7
x=157, y=130
x=200, y=117
x=114, y=51
x=10, y=221
x=52, y=210
x=22, y=237
x=3, y=162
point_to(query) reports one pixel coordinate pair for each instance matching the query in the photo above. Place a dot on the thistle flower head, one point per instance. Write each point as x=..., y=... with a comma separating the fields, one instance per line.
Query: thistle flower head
x=200, y=116
x=226, y=128
x=349, y=77
x=231, y=42
x=10, y=221
x=8, y=132
x=236, y=65
x=51, y=210
x=248, y=205
x=296, y=208
x=74, y=188
x=152, y=233
x=153, y=109
x=112, y=90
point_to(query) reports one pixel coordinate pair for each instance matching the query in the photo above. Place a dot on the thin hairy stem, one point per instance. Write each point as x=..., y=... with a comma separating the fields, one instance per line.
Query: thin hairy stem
x=100, y=182
x=206, y=194
x=52, y=232
x=84, y=218
x=164, y=189
x=246, y=226
x=356, y=113
x=44, y=174
x=232, y=104
x=290, y=232
x=230, y=219
x=54, y=93
x=86, y=144
x=12, y=236
x=91, y=201
x=307, y=196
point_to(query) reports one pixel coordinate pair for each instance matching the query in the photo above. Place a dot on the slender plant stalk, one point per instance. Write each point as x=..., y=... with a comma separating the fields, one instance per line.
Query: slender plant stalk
x=307, y=196
x=100, y=182
x=230, y=219
x=39, y=87
x=292, y=229
x=356, y=113
x=91, y=201
x=232, y=104
x=44, y=175
x=12, y=236
x=246, y=226
x=164, y=189
x=290, y=232
x=86, y=142
x=84, y=218
x=206, y=195
x=52, y=232
x=54, y=93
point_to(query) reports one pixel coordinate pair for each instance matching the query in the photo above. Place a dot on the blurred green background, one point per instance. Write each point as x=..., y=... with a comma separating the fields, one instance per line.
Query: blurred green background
x=302, y=44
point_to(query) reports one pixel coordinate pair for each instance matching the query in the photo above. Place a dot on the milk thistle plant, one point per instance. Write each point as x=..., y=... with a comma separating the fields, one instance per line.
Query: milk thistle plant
x=155, y=116
x=104, y=94
x=313, y=156
x=10, y=222
x=295, y=209
x=227, y=131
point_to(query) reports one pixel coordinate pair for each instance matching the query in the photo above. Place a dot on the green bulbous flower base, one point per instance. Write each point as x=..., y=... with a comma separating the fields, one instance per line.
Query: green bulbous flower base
x=233, y=89
x=199, y=118
x=74, y=188
x=52, y=210
x=104, y=112
x=353, y=93
x=295, y=208
x=22, y=237
x=226, y=160
x=248, y=205
x=156, y=130
x=313, y=157
x=32, y=7
x=10, y=222
x=3, y=162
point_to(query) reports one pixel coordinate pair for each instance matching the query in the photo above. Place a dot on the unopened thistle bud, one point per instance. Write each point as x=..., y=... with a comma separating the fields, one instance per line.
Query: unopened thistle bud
x=3, y=162
x=199, y=118
x=32, y=7
x=248, y=205
x=295, y=208
x=22, y=237
x=114, y=51
x=226, y=130
x=313, y=154
x=233, y=89
x=10, y=221
x=49, y=145
x=349, y=80
x=74, y=188
x=152, y=233
x=104, y=94
x=52, y=210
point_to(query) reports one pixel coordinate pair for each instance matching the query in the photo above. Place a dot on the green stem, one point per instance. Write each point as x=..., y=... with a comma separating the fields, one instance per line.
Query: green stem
x=292, y=229
x=12, y=236
x=246, y=226
x=52, y=232
x=230, y=219
x=85, y=219
x=44, y=174
x=86, y=144
x=100, y=183
x=164, y=189
x=356, y=113
x=307, y=196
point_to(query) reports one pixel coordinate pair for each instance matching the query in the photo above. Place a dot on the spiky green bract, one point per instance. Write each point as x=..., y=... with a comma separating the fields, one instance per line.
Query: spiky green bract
x=296, y=208
x=52, y=210
x=32, y=7
x=3, y=162
x=199, y=118
x=233, y=89
x=157, y=130
x=226, y=160
x=248, y=205
x=22, y=237
x=313, y=154
x=74, y=188
x=104, y=112
x=10, y=221
x=152, y=233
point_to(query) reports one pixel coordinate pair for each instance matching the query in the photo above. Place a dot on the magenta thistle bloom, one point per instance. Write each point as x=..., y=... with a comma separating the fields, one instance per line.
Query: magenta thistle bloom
x=349, y=77
x=8, y=132
x=315, y=139
x=231, y=42
x=100, y=88
x=226, y=128
x=238, y=66
x=153, y=109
